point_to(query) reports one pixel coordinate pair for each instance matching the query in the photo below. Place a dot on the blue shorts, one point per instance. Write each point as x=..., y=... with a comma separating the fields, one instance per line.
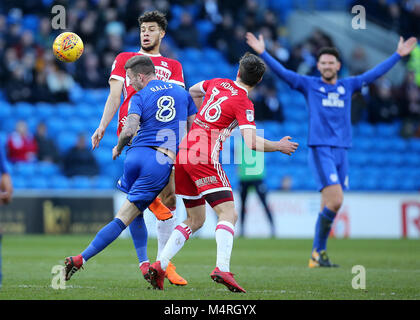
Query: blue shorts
x=330, y=166
x=146, y=173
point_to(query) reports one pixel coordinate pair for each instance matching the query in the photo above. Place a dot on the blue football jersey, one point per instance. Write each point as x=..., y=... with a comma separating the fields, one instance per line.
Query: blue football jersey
x=163, y=108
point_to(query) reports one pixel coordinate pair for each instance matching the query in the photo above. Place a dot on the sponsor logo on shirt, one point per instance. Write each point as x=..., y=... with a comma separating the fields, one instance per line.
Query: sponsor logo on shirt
x=163, y=73
x=205, y=181
x=333, y=100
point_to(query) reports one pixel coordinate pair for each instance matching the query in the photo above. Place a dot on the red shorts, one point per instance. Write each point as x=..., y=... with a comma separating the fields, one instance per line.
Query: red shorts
x=192, y=181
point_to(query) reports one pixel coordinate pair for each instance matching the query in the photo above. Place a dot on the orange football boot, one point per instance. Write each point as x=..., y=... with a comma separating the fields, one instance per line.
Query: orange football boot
x=173, y=277
x=160, y=210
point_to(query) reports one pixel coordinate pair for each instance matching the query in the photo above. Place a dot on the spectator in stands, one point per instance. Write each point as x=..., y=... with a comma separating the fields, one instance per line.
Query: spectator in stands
x=414, y=64
x=236, y=46
x=217, y=38
x=59, y=83
x=21, y=145
x=47, y=150
x=358, y=62
x=409, y=105
x=41, y=90
x=18, y=88
x=210, y=11
x=267, y=105
x=79, y=160
x=382, y=107
x=186, y=35
x=92, y=75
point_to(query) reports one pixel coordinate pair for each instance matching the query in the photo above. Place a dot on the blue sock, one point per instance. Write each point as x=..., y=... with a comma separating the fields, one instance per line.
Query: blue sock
x=103, y=238
x=138, y=232
x=322, y=229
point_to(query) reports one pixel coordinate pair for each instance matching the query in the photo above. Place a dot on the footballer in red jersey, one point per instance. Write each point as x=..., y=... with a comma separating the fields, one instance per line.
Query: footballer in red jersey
x=166, y=69
x=153, y=26
x=199, y=176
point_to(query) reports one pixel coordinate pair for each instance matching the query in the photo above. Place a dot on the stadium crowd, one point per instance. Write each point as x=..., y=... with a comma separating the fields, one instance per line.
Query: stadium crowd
x=30, y=73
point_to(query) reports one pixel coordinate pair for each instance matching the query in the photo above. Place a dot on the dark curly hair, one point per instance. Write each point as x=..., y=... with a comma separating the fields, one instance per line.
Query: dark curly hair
x=328, y=50
x=154, y=16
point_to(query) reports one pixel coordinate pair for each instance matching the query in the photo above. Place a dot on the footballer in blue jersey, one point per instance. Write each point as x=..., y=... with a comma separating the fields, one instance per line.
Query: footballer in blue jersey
x=329, y=137
x=159, y=108
x=163, y=111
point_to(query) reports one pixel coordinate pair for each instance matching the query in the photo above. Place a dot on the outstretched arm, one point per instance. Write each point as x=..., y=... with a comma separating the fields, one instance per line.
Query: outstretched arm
x=292, y=78
x=258, y=143
x=404, y=49
x=111, y=107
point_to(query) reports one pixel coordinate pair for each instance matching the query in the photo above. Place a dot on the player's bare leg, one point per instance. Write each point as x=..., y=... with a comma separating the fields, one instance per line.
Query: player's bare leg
x=196, y=215
x=331, y=201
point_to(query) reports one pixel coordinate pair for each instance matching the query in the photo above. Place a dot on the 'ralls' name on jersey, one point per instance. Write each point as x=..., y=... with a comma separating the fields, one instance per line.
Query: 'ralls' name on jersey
x=333, y=100
x=228, y=86
x=164, y=87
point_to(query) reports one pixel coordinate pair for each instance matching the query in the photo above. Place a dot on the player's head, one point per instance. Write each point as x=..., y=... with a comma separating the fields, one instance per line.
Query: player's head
x=328, y=62
x=251, y=69
x=140, y=70
x=153, y=26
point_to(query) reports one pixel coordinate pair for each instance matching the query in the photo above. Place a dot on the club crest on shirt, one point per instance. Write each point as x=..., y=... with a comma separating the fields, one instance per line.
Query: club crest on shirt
x=341, y=90
x=250, y=115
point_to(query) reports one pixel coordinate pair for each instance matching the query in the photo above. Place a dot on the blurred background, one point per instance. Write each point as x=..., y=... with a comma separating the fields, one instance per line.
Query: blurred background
x=49, y=109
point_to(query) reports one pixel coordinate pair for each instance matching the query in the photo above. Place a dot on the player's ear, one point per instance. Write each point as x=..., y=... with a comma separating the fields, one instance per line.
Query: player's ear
x=338, y=65
x=162, y=34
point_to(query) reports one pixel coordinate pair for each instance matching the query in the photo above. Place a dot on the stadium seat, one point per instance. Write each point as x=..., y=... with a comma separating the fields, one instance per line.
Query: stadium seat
x=81, y=182
x=366, y=130
x=20, y=182
x=66, y=140
x=24, y=110
x=46, y=169
x=25, y=169
x=59, y=182
x=103, y=182
x=38, y=182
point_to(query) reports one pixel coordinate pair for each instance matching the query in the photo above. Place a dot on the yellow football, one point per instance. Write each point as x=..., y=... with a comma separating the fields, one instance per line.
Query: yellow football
x=68, y=47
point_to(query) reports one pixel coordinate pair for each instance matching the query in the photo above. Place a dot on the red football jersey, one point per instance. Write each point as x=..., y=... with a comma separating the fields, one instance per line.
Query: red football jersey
x=226, y=105
x=166, y=69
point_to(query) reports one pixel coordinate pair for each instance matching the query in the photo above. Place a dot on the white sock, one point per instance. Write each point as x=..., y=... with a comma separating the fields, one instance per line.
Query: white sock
x=175, y=242
x=224, y=240
x=164, y=230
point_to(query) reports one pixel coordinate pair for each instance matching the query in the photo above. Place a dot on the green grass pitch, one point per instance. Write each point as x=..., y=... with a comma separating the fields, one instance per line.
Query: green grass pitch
x=269, y=269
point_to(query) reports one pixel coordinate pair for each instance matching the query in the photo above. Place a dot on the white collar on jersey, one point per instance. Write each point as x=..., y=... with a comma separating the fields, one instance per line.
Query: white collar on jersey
x=150, y=55
x=237, y=84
